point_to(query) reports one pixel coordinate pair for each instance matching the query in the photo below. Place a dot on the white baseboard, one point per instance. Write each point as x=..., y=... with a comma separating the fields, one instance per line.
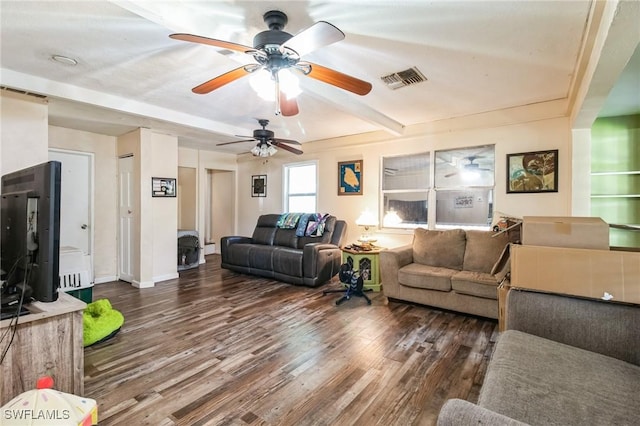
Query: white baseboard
x=209, y=248
x=107, y=279
x=142, y=284
x=166, y=277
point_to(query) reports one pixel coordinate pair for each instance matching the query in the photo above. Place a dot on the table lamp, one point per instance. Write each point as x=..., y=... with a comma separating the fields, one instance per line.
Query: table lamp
x=366, y=220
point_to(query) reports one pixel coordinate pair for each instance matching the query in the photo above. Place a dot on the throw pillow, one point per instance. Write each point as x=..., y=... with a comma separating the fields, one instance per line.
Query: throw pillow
x=483, y=250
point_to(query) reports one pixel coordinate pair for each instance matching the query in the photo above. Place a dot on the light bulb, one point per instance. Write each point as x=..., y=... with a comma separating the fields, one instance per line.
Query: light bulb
x=262, y=83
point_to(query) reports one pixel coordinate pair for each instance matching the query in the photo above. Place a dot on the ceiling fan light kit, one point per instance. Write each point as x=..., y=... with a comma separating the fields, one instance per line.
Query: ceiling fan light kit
x=276, y=51
x=263, y=150
x=267, y=143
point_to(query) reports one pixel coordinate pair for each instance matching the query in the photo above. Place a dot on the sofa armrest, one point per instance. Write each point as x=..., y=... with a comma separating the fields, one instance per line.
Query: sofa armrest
x=391, y=260
x=225, y=242
x=591, y=324
x=457, y=412
x=321, y=261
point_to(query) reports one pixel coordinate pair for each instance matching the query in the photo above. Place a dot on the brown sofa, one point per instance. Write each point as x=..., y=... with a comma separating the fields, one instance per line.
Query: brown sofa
x=452, y=269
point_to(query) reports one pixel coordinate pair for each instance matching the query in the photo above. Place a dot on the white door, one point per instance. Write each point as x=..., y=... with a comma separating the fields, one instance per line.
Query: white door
x=76, y=199
x=127, y=254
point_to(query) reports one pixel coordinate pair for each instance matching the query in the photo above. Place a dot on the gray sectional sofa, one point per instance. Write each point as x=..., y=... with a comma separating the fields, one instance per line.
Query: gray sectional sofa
x=451, y=269
x=562, y=361
x=278, y=252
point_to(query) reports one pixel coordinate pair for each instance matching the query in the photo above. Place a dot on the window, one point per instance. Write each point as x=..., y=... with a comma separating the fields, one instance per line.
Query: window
x=405, y=190
x=464, y=184
x=300, y=187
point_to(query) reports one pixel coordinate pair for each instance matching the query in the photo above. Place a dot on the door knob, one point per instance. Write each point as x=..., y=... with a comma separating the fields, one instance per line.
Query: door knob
x=129, y=211
x=84, y=226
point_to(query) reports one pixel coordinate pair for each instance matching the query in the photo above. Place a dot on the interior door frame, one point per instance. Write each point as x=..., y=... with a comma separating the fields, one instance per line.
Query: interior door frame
x=132, y=239
x=92, y=191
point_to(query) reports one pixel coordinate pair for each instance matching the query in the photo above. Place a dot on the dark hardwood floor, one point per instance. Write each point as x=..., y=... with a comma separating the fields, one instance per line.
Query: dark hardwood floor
x=214, y=347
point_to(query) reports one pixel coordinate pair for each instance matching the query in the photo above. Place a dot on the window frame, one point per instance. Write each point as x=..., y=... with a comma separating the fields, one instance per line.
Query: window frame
x=431, y=192
x=418, y=190
x=285, y=184
x=462, y=187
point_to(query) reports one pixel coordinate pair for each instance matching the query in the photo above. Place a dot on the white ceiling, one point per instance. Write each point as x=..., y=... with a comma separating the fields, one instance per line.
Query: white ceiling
x=478, y=56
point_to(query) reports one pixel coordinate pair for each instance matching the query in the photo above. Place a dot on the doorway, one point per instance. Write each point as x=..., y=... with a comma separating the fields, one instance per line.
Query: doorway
x=219, y=208
x=76, y=210
x=127, y=258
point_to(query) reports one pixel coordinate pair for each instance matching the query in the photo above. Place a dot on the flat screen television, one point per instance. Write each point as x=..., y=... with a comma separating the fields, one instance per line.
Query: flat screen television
x=30, y=246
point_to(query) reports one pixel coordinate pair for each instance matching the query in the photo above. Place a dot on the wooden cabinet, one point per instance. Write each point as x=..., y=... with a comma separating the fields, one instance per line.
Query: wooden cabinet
x=47, y=342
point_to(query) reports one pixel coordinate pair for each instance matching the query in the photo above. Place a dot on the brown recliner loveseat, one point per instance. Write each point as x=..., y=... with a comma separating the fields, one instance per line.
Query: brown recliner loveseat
x=287, y=253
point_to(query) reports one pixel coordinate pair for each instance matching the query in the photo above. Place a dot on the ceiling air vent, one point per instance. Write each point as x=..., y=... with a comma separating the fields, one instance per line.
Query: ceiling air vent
x=403, y=78
x=9, y=89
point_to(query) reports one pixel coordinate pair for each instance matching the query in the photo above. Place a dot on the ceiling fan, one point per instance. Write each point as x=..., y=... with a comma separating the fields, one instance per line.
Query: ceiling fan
x=275, y=50
x=470, y=166
x=266, y=142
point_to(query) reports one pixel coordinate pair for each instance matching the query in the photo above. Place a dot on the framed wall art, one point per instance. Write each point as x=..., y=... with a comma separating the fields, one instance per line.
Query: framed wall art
x=529, y=172
x=350, y=177
x=163, y=187
x=259, y=185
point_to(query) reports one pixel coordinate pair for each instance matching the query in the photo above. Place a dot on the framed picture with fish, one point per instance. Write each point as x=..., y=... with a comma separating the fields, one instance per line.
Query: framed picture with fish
x=350, y=175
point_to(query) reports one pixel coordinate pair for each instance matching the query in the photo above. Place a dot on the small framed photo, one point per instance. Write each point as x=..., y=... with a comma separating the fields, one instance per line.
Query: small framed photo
x=350, y=175
x=529, y=172
x=163, y=187
x=259, y=185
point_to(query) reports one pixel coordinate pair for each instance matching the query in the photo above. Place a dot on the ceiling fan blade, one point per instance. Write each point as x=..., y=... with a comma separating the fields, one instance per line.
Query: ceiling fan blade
x=229, y=143
x=220, y=81
x=286, y=147
x=316, y=36
x=289, y=141
x=338, y=79
x=288, y=107
x=448, y=175
x=212, y=42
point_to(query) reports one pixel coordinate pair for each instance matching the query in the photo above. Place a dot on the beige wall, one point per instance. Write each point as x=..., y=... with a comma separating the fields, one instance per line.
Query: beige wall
x=23, y=131
x=161, y=161
x=105, y=212
x=538, y=135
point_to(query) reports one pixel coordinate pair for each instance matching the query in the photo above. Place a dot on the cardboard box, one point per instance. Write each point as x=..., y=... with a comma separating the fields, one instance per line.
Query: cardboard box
x=565, y=231
x=580, y=272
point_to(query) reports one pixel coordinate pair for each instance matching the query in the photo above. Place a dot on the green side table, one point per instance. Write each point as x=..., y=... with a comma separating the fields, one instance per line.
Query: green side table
x=366, y=262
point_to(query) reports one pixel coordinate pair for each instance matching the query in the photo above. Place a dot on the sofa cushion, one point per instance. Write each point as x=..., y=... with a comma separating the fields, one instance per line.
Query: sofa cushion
x=286, y=238
x=542, y=382
x=483, y=250
x=427, y=277
x=288, y=261
x=443, y=249
x=475, y=284
x=239, y=254
x=261, y=257
x=265, y=229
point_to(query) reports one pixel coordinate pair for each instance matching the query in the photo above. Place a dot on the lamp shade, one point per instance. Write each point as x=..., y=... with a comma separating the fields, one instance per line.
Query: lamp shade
x=367, y=219
x=391, y=219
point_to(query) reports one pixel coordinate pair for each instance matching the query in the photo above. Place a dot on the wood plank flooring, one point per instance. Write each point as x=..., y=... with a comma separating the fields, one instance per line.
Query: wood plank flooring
x=219, y=348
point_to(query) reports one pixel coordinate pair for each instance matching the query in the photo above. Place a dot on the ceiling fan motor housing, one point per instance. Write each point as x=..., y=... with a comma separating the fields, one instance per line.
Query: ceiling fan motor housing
x=276, y=21
x=263, y=134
